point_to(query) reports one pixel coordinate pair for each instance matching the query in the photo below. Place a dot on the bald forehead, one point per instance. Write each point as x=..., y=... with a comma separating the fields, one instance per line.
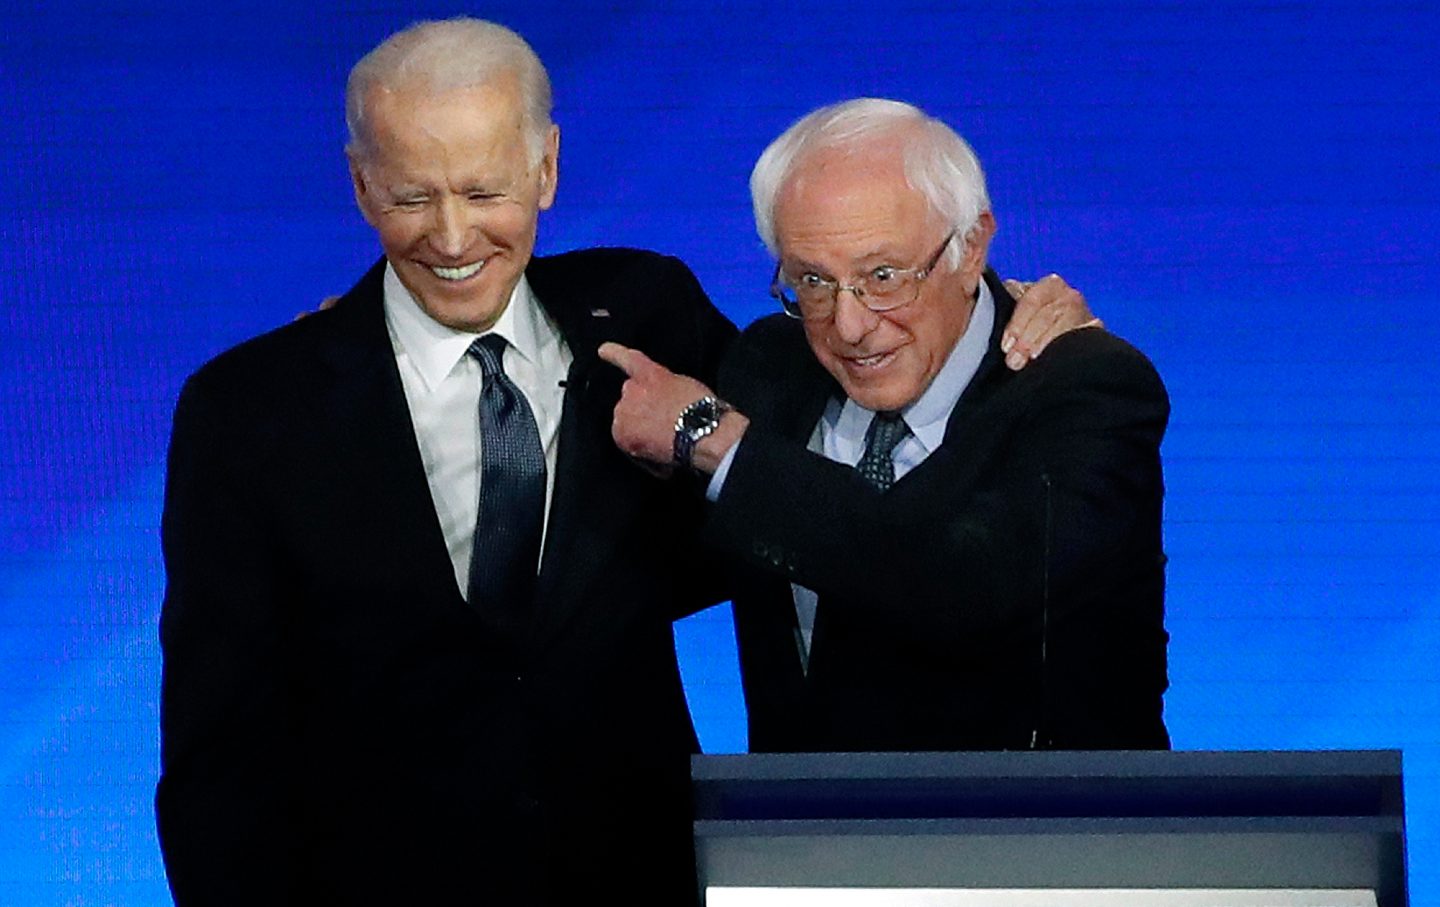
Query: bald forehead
x=502, y=83
x=407, y=103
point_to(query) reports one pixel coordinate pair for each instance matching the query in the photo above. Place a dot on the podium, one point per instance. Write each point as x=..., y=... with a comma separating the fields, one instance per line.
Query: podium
x=1157, y=828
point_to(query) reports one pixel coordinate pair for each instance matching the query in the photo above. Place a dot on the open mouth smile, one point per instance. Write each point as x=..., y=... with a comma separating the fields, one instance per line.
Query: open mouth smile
x=462, y=272
x=878, y=360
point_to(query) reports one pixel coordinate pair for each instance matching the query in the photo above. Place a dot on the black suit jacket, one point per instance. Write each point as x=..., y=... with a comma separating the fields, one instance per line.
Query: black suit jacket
x=338, y=725
x=1007, y=593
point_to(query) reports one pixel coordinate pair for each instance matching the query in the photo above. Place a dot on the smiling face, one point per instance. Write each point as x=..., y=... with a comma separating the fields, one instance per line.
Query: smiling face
x=447, y=181
x=840, y=216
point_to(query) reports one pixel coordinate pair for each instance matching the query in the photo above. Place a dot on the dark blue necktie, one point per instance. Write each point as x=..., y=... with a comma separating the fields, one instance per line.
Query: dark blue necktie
x=506, y=553
x=877, y=464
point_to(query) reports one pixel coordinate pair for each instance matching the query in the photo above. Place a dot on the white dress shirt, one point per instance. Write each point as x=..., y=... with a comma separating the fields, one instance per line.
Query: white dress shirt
x=442, y=387
x=840, y=433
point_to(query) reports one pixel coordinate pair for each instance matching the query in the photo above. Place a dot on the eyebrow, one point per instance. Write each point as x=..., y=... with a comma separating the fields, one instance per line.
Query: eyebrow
x=800, y=264
x=868, y=261
x=401, y=190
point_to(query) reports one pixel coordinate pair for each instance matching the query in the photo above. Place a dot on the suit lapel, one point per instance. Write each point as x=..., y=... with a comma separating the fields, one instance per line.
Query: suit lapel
x=798, y=421
x=361, y=400
x=992, y=370
x=795, y=402
x=591, y=506
x=956, y=457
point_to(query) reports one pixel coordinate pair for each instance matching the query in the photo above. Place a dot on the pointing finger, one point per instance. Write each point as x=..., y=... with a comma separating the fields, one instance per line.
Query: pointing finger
x=624, y=358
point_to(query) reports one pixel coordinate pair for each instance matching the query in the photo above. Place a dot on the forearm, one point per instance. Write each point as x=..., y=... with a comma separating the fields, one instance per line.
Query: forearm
x=1050, y=497
x=928, y=570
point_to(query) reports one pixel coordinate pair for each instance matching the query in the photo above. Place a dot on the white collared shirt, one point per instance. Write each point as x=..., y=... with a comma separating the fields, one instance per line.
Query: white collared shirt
x=442, y=387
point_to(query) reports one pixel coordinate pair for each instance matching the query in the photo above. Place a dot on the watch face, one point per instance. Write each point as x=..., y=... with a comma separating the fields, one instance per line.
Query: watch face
x=696, y=421
x=700, y=416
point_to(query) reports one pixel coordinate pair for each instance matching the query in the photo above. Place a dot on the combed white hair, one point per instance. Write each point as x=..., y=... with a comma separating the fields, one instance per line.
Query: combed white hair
x=445, y=55
x=938, y=163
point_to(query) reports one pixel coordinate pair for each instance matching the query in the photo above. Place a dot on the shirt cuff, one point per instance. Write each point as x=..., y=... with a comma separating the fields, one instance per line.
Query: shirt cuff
x=717, y=481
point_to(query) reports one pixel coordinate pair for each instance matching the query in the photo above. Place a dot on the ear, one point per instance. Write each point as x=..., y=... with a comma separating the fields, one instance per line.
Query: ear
x=550, y=168
x=363, y=197
x=977, y=247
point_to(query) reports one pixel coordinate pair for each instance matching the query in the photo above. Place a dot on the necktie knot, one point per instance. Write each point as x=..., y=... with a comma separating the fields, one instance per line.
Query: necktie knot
x=886, y=430
x=489, y=351
x=877, y=464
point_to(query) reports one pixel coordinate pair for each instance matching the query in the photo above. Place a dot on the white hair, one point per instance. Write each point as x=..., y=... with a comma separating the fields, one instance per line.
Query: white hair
x=445, y=55
x=938, y=163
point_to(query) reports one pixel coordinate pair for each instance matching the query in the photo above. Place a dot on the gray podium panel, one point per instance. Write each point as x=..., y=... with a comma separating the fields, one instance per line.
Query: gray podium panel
x=1331, y=820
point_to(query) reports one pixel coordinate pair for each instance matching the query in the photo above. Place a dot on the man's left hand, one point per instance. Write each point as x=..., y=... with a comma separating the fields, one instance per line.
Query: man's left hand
x=1044, y=310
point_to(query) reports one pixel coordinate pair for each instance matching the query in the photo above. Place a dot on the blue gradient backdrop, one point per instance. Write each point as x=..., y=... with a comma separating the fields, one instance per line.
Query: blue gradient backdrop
x=1248, y=191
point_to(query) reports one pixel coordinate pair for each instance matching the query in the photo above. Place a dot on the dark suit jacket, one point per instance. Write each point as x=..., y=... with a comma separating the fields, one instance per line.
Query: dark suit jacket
x=1007, y=593
x=338, y=725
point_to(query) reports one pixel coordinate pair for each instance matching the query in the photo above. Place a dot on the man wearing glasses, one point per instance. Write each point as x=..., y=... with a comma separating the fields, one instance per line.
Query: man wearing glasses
x=931, y=552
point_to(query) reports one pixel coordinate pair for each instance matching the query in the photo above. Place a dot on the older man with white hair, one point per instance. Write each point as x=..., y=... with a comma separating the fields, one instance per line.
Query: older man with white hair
x=932, y=552
x=417, y=623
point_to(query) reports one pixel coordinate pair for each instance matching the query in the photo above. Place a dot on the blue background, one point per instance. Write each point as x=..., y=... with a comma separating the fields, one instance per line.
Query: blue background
x=1248, y=191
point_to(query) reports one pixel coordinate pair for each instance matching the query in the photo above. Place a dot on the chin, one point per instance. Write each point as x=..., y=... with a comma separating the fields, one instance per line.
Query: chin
x=472, y=324
x=884, y=392
x=465, y=315
x=879, y=399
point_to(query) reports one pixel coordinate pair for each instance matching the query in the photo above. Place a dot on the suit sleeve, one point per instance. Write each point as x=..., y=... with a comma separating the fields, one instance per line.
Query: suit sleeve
x=712, y=336
x=689, y=336
x=224, y=804
x=680, y=328
x=1067, y=500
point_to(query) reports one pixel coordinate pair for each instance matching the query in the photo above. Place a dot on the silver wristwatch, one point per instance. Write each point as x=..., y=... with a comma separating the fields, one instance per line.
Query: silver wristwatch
x=696, y=421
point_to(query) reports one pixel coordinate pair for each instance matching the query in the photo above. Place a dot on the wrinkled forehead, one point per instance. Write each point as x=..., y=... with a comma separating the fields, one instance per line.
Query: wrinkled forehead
x=877, y=158
x=839, y=191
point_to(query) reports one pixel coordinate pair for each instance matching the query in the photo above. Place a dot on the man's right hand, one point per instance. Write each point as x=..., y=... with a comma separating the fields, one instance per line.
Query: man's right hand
x=651, y=399
x=1044, y=310
x=327, y=302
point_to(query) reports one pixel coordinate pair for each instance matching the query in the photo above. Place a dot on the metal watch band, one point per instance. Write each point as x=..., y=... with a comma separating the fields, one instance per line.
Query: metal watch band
x=695, y=422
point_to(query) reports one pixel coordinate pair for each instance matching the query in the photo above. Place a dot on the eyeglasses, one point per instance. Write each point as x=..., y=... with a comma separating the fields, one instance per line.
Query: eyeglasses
x=882, y=289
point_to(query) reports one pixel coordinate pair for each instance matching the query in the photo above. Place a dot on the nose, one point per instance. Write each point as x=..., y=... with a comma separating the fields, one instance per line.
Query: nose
x=852, y=319
x=451, y=234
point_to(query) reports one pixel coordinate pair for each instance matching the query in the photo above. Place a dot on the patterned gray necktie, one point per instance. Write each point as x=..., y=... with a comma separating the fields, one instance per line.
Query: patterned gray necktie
x=506, y=552
x=877, y=465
